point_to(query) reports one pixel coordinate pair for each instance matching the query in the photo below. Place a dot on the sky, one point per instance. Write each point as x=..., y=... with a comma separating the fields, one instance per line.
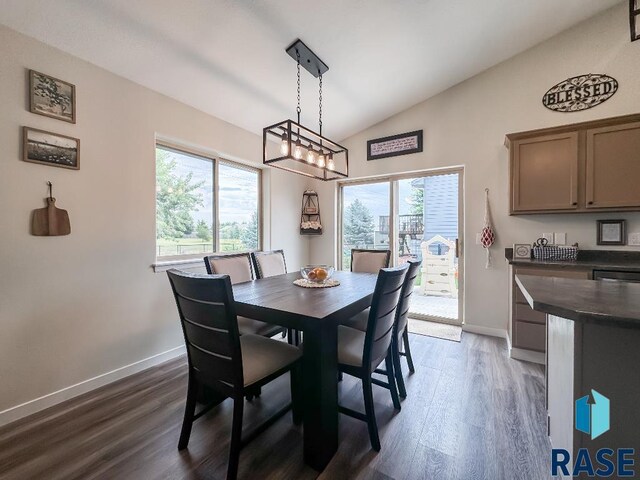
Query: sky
x=238, y=191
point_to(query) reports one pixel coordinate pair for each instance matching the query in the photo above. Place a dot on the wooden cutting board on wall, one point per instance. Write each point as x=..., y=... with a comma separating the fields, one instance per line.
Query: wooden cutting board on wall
x=50, y=221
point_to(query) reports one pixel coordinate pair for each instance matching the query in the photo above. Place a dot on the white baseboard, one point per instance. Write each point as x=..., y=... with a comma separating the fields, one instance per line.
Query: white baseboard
x=527, y=355
x=490, y=331
x=33, y=406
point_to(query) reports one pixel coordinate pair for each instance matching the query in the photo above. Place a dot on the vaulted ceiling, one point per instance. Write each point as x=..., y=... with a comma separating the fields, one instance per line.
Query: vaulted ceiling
x=227, y=57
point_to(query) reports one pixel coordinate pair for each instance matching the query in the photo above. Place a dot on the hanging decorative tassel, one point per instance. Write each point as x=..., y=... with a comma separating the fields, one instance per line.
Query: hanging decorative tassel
x=488, y=236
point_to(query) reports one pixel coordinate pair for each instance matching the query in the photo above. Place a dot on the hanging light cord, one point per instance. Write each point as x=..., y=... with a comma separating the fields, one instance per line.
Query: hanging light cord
x=298, y=109
x=320, y=105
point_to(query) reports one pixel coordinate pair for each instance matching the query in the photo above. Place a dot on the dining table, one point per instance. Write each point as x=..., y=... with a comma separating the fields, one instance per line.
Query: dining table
x=317, y=313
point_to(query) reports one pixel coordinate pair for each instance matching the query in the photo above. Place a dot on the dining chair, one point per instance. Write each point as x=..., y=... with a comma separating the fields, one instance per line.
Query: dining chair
x=269, y=264
x=359, y=353
x=239, y=267
x=222, y=360
x=401, y=327
x=369, y=261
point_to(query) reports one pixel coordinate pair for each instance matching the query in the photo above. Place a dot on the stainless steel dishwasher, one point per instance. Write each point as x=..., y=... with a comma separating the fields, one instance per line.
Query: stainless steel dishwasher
x=616, y=276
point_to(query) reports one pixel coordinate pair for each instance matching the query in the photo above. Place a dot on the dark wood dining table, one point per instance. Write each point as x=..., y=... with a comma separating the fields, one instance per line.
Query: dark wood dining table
x=317, y=312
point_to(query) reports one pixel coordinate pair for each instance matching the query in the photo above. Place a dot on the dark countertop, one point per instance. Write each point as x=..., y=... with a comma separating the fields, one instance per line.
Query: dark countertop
x=587, y=259
x=606, y=303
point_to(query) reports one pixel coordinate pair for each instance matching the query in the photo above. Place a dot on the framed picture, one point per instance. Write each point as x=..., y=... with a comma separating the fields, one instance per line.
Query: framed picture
x=522, y=251
x=395, y=145
x=52, y=97
x=611, y=232
x=49, y=148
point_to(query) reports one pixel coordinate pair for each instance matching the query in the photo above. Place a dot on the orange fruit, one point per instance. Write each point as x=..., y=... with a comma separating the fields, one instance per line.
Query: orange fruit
x=321, y=274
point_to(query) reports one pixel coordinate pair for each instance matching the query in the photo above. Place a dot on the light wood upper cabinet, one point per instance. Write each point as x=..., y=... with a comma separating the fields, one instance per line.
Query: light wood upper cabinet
x=613, y=166
x=545, y=173
x=583, y=167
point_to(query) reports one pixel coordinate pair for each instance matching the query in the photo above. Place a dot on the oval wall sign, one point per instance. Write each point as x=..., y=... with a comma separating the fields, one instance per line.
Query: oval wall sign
x=579, y=93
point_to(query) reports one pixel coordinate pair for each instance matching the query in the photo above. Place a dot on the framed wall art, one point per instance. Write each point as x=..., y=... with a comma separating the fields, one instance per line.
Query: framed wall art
x=611, y=232
x=39, y=146
x=395, y=145
x=52, y=97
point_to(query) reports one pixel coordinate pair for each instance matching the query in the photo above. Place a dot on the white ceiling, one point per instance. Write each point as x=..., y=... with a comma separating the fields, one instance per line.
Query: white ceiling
x=227, y=57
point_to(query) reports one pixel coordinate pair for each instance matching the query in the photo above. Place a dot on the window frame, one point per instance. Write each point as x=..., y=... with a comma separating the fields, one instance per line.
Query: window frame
x=216, y=161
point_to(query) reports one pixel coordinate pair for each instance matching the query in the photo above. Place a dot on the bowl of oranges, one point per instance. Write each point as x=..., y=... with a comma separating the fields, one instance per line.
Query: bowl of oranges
x=317, y=273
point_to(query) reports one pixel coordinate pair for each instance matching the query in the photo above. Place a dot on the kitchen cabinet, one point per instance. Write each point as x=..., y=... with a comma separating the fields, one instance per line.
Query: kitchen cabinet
x=545, y=173
x=583, y=167
x=527, y=327
x=613, y=166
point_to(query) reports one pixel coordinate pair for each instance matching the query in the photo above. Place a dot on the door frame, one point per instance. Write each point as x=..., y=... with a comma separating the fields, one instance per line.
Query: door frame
x=394, y=221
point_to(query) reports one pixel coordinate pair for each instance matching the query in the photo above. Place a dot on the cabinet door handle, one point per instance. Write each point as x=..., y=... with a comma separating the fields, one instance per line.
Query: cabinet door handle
x=574, y=203
x=590, y=203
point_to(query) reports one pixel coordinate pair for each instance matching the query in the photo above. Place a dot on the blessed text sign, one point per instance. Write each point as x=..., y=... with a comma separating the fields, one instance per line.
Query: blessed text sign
x=394, y=145
x=579, y=93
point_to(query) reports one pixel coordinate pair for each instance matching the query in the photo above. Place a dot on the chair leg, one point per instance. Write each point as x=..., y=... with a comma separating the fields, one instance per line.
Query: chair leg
x=289, y=335
x=392, y=381
x=236, y=439
x=397, y=368
x=407, y=350
x=189, y=410
x=371, y=415
x=296, y=397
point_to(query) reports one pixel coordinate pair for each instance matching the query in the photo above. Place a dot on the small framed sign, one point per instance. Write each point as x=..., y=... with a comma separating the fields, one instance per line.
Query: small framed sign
x=395, y=145
x=611, y=232
x=522, y=251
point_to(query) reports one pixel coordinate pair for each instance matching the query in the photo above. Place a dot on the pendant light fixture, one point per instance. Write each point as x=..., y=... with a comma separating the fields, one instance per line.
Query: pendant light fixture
x=291, y=146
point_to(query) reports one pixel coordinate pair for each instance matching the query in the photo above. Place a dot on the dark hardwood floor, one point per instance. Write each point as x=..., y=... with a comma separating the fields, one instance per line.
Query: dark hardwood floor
x=471, y=413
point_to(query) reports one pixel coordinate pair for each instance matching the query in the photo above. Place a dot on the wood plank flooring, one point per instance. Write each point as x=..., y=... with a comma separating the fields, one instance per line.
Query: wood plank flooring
x=471, y=413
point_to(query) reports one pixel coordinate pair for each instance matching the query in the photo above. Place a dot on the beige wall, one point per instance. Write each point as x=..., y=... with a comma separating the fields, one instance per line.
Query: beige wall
x=75, y=307
x=466, y=125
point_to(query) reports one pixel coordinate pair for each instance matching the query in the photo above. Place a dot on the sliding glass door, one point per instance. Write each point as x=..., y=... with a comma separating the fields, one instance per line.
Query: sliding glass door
x=416, y=217
x=365, y=209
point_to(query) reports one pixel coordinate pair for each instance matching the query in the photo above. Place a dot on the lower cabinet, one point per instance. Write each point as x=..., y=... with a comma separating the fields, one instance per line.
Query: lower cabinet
x=528, y=328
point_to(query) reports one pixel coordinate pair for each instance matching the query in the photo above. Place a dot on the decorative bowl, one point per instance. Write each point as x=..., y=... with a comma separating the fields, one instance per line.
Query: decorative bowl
x=317, y=273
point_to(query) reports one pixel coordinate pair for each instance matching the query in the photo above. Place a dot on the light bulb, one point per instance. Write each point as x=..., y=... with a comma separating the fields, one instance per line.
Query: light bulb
x=330, y=164
x=284, y=145
x=321, y=159
x=311, y=156
x=297, y=151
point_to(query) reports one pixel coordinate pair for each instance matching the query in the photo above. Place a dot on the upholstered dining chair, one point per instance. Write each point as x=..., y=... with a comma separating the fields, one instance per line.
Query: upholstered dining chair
x=369, y=261
x=401, y=327
x=359, y=353
x=222, y=360
x=239, y=267
x=269, y=264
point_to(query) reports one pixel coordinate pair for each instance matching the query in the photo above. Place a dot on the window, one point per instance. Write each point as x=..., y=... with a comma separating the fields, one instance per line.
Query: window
x=204, y=204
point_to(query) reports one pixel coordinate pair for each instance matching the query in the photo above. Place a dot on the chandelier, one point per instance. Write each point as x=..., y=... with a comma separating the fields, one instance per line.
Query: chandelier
x=291, y=146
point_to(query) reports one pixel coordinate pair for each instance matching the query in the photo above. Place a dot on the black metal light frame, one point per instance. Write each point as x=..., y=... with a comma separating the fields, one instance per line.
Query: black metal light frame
x=289, y=133
x=634, y=19
x=294, y=132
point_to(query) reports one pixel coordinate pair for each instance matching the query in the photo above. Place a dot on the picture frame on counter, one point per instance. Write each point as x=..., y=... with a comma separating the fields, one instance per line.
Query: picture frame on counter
x=522, y=251
x=612, y=232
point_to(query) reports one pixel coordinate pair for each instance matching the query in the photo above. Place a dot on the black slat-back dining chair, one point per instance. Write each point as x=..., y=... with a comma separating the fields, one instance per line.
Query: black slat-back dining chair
x=239, y=267
x=359, y=353
x=369, y=261
x=401, y=336
x=220, y=359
